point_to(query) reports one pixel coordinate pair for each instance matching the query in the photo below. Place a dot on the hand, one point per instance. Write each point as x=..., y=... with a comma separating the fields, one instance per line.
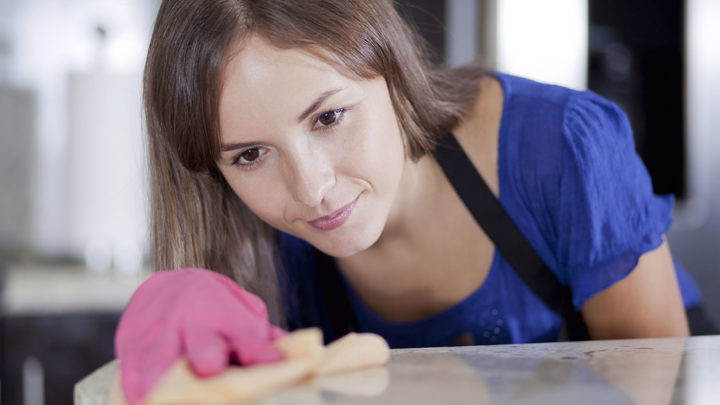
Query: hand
x=194, y=313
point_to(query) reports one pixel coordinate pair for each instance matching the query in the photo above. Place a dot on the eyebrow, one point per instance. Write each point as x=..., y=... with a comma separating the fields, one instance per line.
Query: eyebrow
x=314, y=106
x=234, y=146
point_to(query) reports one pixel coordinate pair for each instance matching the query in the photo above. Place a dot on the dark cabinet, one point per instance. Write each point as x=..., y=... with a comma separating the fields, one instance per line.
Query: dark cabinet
x=44, y=356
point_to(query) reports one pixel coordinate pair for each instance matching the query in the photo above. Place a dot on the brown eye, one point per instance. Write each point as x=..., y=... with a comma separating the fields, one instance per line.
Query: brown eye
x=328, y=118
x=250, y=154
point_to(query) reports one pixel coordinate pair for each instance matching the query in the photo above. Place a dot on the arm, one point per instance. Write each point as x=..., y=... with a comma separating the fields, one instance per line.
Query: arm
x=646, y=303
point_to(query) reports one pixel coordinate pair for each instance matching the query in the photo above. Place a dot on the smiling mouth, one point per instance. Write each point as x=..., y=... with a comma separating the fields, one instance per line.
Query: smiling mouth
x=334, y=220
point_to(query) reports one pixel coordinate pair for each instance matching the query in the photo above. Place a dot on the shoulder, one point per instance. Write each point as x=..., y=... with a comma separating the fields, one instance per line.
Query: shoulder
x=534, y=126
x=571, y=164
x=547, y=109
x=549, y=130
x=528, y=102
x=571, y=180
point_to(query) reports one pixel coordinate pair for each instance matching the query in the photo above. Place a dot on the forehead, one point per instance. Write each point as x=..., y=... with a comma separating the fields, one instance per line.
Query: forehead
x=260, y=76
x=256, y=66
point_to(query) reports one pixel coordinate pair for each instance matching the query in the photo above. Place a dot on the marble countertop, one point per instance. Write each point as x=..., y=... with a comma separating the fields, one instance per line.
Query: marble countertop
x=636, y=371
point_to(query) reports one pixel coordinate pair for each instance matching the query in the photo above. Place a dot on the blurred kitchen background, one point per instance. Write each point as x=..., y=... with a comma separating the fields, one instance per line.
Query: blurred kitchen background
x=73, y=233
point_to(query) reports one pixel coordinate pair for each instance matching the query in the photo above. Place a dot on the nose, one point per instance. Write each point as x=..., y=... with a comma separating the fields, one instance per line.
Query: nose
x=312, y=176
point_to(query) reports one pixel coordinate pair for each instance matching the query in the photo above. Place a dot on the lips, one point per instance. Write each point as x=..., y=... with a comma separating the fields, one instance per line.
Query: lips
x=334, y=220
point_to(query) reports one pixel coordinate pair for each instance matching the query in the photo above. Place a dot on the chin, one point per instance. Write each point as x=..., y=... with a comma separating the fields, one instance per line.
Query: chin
x=343, y=250
x=341, y=247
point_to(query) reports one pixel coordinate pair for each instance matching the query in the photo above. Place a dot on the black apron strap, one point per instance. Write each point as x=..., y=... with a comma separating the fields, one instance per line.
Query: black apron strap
x=508, y=240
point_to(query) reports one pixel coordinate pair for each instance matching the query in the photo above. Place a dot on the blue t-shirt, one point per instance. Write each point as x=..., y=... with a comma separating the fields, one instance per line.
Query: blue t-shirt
x=571, y=181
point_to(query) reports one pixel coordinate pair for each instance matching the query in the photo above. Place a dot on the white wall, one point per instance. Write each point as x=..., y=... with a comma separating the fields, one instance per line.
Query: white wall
x=544, y=40
x=53, y=47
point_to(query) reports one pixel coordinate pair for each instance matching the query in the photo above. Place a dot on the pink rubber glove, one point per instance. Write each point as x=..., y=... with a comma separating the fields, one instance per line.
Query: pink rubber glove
x=194, y=313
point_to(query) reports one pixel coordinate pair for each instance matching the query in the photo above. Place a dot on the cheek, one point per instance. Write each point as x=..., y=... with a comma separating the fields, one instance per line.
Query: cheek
x=256, y=196
x=372, y=143
x=379, y=150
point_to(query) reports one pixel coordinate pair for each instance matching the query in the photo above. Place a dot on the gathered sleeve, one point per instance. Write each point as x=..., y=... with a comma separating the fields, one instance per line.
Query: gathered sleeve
x=607, y=213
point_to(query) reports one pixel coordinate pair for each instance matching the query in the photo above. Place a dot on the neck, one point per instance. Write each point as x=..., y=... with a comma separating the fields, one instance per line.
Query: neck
x=417, y=200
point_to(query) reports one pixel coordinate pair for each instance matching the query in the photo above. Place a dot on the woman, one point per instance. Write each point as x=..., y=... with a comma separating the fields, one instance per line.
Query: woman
x=293, y=147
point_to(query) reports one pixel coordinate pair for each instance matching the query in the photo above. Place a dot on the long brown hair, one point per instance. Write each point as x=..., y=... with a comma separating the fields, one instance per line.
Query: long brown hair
x=197, y=220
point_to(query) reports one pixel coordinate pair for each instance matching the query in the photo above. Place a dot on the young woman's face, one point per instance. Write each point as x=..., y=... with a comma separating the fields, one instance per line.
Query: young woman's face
x=311, y=152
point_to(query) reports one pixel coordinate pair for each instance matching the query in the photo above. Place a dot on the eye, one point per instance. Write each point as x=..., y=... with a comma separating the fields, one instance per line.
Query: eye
x=248, y=157
x=330, y=118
